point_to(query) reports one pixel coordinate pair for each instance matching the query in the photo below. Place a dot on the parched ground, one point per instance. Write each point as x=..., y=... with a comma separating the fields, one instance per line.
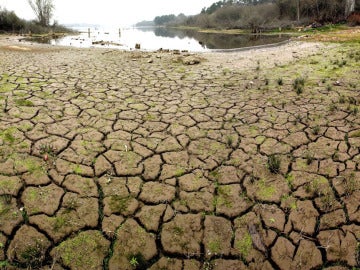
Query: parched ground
x=129, y=160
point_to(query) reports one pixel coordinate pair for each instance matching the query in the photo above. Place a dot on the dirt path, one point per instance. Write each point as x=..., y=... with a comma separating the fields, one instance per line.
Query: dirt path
x=128, y=160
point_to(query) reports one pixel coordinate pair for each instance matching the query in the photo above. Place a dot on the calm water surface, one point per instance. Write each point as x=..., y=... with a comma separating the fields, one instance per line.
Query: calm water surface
x=165, y=38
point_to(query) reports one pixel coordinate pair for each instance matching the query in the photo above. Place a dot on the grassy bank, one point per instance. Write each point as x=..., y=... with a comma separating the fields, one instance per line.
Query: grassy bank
x=335, y=32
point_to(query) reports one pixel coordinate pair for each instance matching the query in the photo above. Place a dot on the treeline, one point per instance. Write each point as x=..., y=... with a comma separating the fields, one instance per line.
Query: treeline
x=263, y=14
x=10, y=22
x=217, y=5
x=170, y=19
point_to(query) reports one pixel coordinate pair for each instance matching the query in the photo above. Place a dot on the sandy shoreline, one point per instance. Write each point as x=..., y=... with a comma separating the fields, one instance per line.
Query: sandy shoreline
x=268, y=56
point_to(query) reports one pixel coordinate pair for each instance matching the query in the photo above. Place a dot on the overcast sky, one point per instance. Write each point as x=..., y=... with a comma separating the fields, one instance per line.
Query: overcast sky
x=110, y=12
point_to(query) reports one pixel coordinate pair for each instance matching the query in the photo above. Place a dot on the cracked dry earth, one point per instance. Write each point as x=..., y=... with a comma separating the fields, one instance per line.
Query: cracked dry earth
x=111, y=161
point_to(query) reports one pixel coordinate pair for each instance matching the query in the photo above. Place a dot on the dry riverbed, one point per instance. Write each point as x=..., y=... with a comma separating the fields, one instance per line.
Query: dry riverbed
x=137, y=160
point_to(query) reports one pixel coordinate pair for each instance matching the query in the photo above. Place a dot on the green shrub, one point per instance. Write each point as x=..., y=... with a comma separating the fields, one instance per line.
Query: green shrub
x=298, y=85
x=273, y=163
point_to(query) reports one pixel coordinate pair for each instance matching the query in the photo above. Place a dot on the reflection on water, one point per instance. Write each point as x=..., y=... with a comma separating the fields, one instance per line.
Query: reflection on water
x=221, y=41
x=165, y=38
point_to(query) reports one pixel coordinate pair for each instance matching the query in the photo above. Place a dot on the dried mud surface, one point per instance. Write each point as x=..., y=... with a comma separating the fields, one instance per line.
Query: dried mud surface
x=151, y=160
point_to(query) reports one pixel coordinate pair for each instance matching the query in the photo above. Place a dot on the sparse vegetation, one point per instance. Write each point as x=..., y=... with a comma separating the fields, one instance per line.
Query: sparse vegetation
x=179, y=172
x=342, y=99
x=4, y=264
x=178, y=230
x=355, y=134
x=137, y=261
x=6, y=198
x=332, y=107
x=273, y=163
x=119, y=204
x=34, y=167
x=33, y=255
x=327, y=200
x=346, y=139
x=315, y=130
x=4, y=207
x=133, y=262
x=60, y=222
x=77, y=169
x=24, y=102
x=298, y=85
x=244, y=246
x=214, y=246
x=310, y=157
x=47, y=149
x=289, y=202
x=265, y=191
x=352, y=100
x=77, y=252
x=350, y=184
x=8, y=136
x=229, y=141
x=290, y=180
x=316, y=186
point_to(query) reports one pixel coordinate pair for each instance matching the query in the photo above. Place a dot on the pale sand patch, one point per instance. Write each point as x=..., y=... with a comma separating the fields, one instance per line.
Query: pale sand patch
x=18, y=48
x=266, y=56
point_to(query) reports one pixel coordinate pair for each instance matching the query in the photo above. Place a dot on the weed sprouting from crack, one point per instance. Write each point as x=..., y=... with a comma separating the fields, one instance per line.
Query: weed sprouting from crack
x=273, y=163
x=298, y=85
x=6, y=198
x=315, y=130
x=350, y=184
x=310, y=157
x=229, y=141
x=137, y=261
x=47, y=149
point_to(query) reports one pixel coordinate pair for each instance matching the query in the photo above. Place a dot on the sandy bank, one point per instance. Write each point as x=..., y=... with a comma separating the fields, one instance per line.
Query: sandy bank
x=244, y=59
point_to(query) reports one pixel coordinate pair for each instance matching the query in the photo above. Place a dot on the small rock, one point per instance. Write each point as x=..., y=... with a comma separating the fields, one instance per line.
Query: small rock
x=256, y=239
x=191, y=61
x=150, y=61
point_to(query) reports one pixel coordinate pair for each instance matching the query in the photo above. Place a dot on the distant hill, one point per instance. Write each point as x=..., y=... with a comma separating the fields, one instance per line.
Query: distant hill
x=145, y=23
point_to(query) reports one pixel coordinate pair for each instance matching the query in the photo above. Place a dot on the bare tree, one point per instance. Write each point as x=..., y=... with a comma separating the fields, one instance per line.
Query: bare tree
x=43, y=10
x=298, y=10
x=349, y=7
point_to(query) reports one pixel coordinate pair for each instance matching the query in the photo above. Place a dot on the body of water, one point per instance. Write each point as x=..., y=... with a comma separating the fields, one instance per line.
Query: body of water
x=166, y=38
